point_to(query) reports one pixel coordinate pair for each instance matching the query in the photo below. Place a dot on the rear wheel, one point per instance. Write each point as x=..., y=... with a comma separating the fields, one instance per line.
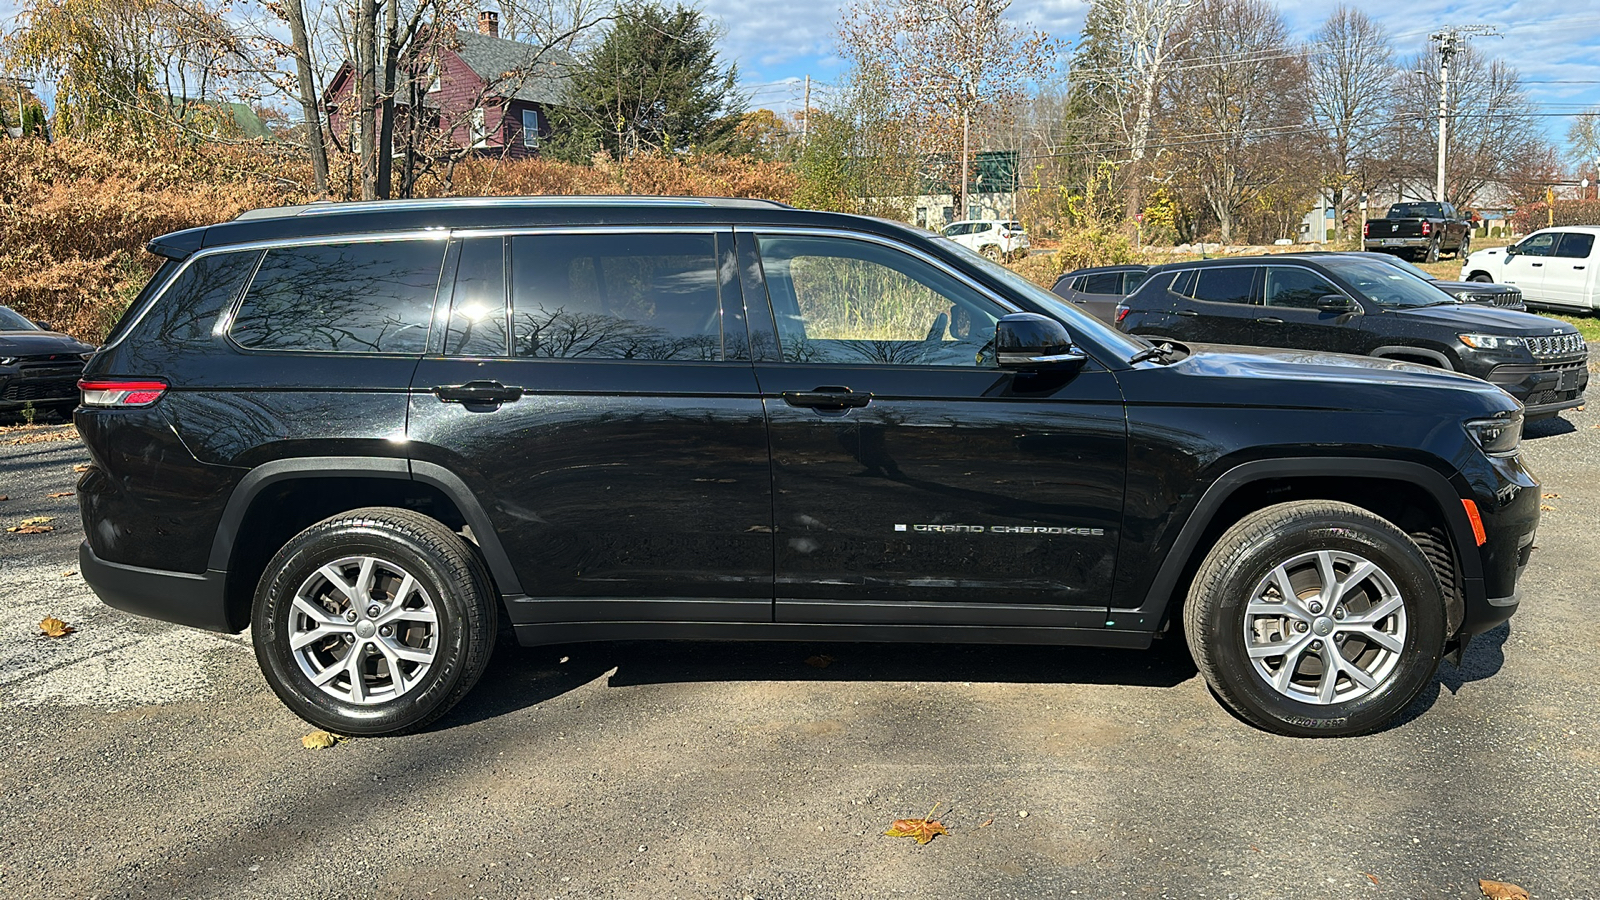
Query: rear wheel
x=1432, y=253
x=1315, y=619
x=990, y=251
x=1465, y=248
x=376, y=621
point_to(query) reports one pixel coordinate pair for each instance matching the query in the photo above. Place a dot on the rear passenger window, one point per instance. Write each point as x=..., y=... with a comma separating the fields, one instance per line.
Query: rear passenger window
x=367, y=297
x=1225, y=284
x=478, y=302
x=1103, y=283
x=1575, y=245
x=615, y=296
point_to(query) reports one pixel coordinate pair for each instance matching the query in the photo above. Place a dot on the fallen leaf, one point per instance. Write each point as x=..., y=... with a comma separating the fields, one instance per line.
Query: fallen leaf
x=1371, y=877
x=1501, y=890
x=59, y=494
x=4, y=498
x=54, y=627
x=819, y=661
x=30, y=529
x=923, y=829
x=80, y=467
x=37, y=520
x=1551, y=496
x=1255, y=848
x=319, y=740
x=986, y=823
x=1546, y=507
x=68, y=574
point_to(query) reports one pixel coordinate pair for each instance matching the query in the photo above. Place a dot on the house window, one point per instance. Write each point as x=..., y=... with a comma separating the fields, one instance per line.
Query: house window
x=433, y=78
x=530, y=128
x=477, y=130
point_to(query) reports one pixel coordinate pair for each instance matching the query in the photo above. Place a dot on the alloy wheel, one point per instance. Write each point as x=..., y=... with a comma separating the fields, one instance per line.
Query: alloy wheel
x=363, y=630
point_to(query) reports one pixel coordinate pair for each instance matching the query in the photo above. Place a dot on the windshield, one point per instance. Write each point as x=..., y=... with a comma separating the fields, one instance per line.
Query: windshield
x=11, y=321
x=1416, y=211
x=1078, y=322
x=1386, y=285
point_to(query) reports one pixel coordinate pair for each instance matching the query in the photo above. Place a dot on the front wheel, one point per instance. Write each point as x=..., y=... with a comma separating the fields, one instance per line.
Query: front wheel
x=376, y=621
x=1481, y=278
x=1432, y=253
x=1466, y=247
x=1315, y=619
x=990, y=251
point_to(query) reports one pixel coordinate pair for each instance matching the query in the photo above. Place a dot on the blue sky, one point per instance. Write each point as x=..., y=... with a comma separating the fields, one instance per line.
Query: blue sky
x=1554, y=44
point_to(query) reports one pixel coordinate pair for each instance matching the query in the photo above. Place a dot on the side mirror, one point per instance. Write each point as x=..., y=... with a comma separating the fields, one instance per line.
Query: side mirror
x=1511, y=250
x=43, y=324
x=1031, y=341
x=1337, y=303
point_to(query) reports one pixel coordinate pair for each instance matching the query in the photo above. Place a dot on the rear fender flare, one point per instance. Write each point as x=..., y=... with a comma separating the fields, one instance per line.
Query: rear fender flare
x=451, y=485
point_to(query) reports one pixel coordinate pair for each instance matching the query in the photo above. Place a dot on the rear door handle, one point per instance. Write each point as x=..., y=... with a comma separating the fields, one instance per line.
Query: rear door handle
x=1270, y=320
x=828, y=397
x=1538, y=265
x=1186, y=312
x=1578, y=267
x=477, y=392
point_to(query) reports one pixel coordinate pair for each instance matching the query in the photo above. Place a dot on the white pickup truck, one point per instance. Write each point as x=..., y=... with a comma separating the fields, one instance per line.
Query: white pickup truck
x=1556, y=267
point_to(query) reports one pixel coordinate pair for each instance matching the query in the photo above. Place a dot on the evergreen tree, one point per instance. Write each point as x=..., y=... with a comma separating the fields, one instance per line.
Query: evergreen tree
x=654, y=83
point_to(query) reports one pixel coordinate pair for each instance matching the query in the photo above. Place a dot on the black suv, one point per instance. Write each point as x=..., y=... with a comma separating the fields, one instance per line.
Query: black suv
x=1346, y=304
x=39, y=367
x=378, y=434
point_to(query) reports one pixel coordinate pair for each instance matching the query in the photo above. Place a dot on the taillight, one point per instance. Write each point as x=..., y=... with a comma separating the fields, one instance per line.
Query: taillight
x=1122, y=313
x=118, y=393
x=1366, y=229
x=1427, y=228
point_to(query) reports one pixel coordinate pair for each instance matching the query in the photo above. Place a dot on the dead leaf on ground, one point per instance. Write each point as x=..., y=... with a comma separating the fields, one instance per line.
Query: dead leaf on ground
x=1371, y=877
x=1501, y=890
x=54, y=628
x=319, y=740
x=1547, y=507
x=819, y=661
x=59, y=494
x=30, y=529
x=986, y=823
x=4, y=498
x=68, y=574
x=81, y=467
x=1551, y=496
x=923, y=829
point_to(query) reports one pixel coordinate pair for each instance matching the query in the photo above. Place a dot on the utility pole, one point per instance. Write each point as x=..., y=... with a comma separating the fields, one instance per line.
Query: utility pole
x=1452, y=40
x=805, y=124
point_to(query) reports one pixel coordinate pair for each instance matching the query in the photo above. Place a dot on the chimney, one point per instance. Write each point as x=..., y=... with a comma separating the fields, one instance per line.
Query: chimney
x=489, y=23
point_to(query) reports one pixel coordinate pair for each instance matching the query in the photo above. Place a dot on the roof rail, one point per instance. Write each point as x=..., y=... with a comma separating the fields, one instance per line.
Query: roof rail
x=326, y=207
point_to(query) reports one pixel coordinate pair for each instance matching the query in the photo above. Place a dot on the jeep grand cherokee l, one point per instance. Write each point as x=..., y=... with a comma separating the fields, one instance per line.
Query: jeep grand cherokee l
x=373, y=433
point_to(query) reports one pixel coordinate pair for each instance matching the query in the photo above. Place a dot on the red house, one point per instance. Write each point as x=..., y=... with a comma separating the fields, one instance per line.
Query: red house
x=482, y=93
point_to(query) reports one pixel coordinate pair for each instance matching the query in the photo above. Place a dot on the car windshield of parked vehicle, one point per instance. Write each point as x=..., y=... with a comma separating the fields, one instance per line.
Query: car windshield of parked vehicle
x=1386, y=285
x=1399, y=263
x=1077, y=321
x=1416, y=211
x=11, y=321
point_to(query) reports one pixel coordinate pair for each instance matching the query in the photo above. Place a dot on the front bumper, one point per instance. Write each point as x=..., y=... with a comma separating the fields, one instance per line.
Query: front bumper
x=199, y=601
x=18, y=389
x=1543, y=388
x=1507, y=498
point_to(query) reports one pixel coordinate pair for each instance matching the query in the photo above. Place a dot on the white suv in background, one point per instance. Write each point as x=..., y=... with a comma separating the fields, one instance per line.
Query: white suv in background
x=996, y=240
x=1557, y=267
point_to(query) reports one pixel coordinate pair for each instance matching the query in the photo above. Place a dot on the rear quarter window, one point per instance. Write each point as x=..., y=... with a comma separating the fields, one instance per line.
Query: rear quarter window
x=358, y=297
x=189, y=309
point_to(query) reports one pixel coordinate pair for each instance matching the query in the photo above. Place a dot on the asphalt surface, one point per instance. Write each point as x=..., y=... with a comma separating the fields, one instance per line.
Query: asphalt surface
x=146, y=760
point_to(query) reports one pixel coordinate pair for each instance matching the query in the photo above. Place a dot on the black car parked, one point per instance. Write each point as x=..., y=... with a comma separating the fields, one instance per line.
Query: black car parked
x=1098, y=290
x=1343, y=304
x=39, y=368
x=375, y=432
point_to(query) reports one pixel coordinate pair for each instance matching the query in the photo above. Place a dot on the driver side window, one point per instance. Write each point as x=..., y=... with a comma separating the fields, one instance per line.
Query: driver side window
x=1537, y=245
x=838, y=300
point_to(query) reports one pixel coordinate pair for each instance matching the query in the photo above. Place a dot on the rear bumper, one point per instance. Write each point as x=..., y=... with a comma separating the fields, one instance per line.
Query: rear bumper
x=199, y=601
x=1397, y=243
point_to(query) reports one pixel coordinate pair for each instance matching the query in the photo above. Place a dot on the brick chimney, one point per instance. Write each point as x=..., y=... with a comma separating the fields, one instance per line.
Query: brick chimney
x=489, y=23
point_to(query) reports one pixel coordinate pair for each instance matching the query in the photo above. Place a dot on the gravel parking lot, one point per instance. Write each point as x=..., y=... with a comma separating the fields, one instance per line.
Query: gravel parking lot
x=146, y=760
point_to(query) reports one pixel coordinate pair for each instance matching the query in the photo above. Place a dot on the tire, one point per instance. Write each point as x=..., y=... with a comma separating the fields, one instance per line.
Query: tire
x=308, y=590
x=1481, y=278
x=1465, y=247
x=990, y=251
x=1432, y=253
x=1234, y=604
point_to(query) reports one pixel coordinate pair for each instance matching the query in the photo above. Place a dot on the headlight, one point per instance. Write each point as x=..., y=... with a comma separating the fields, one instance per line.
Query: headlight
x=1498, y=436
x=1489, y=341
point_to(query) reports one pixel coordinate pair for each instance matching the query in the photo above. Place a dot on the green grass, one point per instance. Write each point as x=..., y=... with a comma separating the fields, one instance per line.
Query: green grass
x=1588, y=326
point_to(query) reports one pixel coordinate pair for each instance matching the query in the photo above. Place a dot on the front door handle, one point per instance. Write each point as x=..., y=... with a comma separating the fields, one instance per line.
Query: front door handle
x=1270, y=320
x=1578, y=267
x=477, y=392
x=1186, y=312
x=828, y=397
x=1538, y=265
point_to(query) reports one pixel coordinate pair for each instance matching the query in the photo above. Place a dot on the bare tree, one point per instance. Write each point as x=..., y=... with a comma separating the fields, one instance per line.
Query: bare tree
x=1583, y=143
x=1128, y=52
x=1235, y=94
x=1350, y=86
x=1492, y=130
x=305, y=89
x=944, y=61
